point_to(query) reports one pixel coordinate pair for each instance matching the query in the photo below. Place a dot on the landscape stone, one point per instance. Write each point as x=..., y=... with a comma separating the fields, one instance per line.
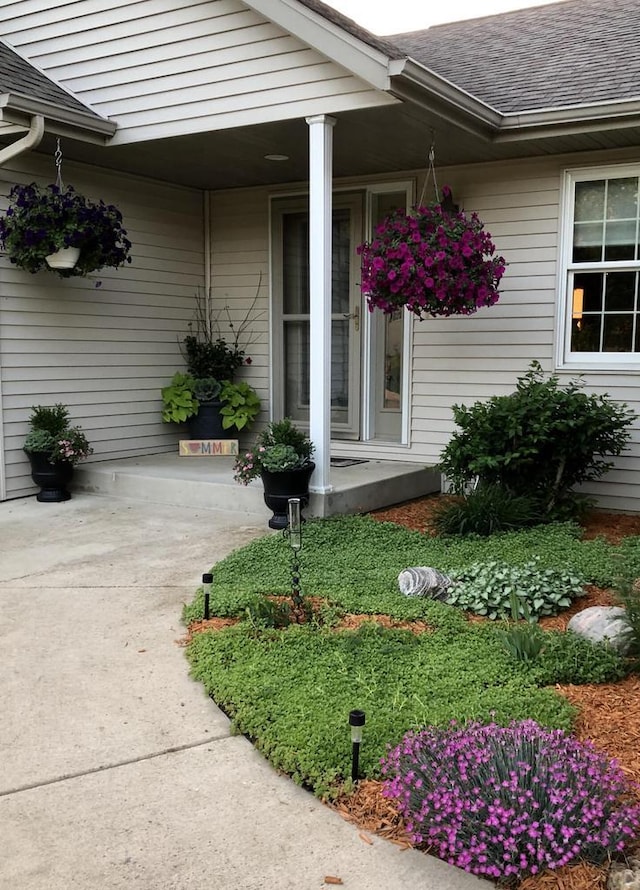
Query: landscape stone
x=424, y=581
x=624, y=875
x=604, y=623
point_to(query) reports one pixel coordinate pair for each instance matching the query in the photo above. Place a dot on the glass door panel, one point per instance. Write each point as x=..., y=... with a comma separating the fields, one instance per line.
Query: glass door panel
x=386, y=333
x=292, y=230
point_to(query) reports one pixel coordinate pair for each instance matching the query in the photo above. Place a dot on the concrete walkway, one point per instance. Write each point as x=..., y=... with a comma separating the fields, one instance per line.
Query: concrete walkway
x=116, y=770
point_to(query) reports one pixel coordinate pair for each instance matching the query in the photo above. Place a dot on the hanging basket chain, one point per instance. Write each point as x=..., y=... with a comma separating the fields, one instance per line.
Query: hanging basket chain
x=58, y=160
x=431, y=172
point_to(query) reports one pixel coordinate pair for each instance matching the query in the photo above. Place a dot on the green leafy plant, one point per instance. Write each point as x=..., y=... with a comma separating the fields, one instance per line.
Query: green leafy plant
x=539, y=442
x=280, y=446
x=627, y=589
x=178, y=399
x=51, y=434
x=241, y=405
x=487, y=589
x=484, y=511
x=41, y=220
x=524, y=642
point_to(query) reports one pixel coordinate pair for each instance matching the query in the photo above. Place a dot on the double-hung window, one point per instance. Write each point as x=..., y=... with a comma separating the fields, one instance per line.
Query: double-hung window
x=602, y=268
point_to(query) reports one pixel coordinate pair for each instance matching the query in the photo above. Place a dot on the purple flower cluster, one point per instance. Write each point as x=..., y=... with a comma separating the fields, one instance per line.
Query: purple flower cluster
x=41, y=220
x=432, y=261
x=509, y=801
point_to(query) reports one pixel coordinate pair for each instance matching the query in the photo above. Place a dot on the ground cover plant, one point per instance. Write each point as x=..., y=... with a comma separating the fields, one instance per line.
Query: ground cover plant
x=291, y=690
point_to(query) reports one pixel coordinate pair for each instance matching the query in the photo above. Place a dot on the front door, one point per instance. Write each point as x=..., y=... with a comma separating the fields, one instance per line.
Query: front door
x=291, y=312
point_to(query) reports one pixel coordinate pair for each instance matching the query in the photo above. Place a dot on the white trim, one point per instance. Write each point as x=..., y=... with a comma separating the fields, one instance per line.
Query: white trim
x=3, y=469
x=320, y=216
x=367, y=62
x=586, y=361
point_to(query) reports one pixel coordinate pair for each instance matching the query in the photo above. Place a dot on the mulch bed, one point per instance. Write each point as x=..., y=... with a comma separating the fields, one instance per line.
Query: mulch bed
x=609, y=713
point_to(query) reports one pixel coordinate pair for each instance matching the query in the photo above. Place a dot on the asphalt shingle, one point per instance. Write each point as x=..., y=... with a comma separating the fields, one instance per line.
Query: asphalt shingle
x=565, y=54
x=18, y=76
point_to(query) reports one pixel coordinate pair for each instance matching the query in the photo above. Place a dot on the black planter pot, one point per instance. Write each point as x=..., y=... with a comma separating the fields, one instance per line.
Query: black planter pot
x=279, y=487
x=207, y=423
x=52, y=478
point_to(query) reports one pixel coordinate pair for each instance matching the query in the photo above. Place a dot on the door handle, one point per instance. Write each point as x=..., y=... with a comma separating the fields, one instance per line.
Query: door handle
x=355, y=315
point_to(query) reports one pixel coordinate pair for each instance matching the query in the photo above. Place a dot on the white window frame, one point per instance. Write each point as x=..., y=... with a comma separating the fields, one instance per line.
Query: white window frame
x=565, y=358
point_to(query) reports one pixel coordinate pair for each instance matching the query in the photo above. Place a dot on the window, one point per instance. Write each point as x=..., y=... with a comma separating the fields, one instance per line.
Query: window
x=602, y=262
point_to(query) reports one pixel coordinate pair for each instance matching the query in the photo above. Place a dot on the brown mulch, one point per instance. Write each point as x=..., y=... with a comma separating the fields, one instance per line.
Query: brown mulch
x=609, y=713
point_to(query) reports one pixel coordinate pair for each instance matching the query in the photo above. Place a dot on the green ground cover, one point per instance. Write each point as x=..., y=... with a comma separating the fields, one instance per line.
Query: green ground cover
x=291, y=690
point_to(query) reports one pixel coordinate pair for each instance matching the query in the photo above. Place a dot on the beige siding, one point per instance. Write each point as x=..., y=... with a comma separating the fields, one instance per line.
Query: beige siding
x=104, y=351
x=460, y=360
x=164, y=69
x=240, y=280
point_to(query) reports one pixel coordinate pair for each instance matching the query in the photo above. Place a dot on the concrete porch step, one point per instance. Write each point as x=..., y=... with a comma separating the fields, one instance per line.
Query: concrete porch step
x=207, y=483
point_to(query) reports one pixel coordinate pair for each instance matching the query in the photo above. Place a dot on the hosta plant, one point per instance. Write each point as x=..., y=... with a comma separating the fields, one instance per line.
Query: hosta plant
x=505, y=802
x=487, y=589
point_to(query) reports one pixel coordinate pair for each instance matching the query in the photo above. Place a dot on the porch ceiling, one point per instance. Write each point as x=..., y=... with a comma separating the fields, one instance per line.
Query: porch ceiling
x=366, y=142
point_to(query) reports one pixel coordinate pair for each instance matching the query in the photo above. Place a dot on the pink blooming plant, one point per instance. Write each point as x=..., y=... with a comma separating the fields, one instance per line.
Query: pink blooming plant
x=433, y=261
x=505, y=802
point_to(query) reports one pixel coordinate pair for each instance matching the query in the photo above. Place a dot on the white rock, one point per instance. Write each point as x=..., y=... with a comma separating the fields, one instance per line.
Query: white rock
x=600, y=623
x=624, y=876
x=423, y=581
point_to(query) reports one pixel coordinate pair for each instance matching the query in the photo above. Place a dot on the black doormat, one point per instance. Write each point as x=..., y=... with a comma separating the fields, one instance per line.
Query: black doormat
x=346, y=462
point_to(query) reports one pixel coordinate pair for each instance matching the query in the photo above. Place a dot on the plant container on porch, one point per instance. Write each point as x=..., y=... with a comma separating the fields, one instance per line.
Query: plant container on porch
x=207, y=423
x=52, y=477
x=281, y=485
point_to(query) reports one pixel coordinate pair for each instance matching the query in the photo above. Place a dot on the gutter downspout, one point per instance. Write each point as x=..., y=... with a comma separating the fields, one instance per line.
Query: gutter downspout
x=29, y=140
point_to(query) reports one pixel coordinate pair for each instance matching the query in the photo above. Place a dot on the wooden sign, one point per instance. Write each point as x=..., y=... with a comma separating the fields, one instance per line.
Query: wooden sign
x=208, y=447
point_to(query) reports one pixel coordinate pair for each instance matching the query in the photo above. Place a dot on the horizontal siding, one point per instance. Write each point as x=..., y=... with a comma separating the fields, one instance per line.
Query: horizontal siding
x=240, y=282
x=163, y=69
x=461, y=360
x=104, y=351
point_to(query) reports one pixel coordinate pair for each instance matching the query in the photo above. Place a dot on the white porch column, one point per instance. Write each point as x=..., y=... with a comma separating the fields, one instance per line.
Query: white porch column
x=320, y=187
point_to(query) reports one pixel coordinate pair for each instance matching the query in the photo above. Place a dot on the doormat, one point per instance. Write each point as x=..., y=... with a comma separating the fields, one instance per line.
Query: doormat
x=346, y=462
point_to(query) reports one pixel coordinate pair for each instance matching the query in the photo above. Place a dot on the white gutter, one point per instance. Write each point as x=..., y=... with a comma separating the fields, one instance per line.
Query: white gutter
x=29, y=140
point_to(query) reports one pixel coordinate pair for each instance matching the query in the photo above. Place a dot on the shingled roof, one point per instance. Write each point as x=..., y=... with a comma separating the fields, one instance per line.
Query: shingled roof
x=566, y=54
x=18, y=76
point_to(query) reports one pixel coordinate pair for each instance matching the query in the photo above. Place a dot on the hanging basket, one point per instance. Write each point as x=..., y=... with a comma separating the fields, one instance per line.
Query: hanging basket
x=66, y=258
x=433, y=261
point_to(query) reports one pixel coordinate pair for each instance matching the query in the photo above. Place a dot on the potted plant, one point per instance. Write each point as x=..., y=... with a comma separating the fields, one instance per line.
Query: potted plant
x=281, y=456
x=434, y=260
x=54, y=448
x=43, y=220
x=207, y=397
x=212, y=409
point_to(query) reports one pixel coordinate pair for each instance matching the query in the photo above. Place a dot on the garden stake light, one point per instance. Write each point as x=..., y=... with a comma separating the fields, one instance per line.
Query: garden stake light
x=356, y=722
x=293, y=534
x=207, y=581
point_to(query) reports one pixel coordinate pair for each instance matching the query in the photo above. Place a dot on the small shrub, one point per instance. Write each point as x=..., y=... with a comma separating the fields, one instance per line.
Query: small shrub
x=509, y=801
x=488, y=509
x=540, y=441
x=627, y=589
x=486, y=589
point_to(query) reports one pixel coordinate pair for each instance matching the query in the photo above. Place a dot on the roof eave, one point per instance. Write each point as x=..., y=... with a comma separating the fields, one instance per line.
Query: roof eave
x=413, y=82
x=19, y=109
x=568, y=120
